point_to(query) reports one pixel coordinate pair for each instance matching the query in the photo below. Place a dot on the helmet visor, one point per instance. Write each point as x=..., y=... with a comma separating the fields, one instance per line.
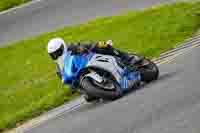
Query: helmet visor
x=57, y=53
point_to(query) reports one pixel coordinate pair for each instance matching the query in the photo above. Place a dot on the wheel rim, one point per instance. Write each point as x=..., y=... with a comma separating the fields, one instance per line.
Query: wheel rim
x=107, y=85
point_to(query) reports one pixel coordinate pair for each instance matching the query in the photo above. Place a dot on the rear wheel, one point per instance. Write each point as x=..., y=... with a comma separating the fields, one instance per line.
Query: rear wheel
x=149, y=71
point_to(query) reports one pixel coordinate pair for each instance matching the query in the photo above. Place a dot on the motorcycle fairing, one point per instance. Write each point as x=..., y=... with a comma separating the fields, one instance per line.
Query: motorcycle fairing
x=123, y=76
x=72, y=66
x=108, y=63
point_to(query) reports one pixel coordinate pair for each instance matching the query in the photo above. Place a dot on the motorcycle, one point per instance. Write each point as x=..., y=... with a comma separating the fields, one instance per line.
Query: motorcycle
x=106, y=77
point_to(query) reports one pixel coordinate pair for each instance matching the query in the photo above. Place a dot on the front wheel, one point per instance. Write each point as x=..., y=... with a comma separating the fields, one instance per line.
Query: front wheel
x=94, y=90
x=89, y=98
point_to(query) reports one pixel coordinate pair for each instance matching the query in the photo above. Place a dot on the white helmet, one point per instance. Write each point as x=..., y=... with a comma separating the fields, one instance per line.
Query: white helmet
x=56, y=48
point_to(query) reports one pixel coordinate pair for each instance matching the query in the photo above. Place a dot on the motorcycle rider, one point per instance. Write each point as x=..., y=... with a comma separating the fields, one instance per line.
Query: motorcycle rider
x=57, y=49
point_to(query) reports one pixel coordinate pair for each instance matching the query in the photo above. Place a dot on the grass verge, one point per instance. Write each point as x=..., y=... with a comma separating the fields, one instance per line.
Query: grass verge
x=6, y=4
x=28, y=85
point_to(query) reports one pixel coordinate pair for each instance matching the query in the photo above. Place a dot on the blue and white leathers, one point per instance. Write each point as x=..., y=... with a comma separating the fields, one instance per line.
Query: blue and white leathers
x=73, y=64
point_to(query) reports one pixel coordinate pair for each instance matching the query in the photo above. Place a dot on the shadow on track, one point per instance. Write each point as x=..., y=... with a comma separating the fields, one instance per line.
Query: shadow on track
x=161, y=78
x=94, y=105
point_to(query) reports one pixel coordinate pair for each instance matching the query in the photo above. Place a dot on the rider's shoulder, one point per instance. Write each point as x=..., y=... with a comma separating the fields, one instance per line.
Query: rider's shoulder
x=71, y=45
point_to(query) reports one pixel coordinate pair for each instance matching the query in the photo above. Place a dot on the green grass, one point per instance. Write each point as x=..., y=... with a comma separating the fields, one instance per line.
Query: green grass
x=28, y=84
x=6, y=4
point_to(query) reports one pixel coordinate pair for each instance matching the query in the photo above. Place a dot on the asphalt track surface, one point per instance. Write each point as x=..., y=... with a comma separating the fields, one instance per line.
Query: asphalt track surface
x=49, y=15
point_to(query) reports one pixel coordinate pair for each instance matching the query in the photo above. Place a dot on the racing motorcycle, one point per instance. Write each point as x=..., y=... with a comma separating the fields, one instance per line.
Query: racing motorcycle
x=106, y=77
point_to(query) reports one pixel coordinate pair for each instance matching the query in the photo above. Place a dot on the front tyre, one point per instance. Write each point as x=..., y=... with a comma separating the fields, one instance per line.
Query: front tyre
x=89, y=98
x=95, y=91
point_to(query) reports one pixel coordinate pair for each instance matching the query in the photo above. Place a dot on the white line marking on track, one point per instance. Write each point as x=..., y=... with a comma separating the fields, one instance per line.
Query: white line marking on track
x=19, y=7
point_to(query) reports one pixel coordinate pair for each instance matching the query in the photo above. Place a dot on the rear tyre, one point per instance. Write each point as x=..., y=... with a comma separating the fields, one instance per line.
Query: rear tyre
x=149, y=72
x=93, y=90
